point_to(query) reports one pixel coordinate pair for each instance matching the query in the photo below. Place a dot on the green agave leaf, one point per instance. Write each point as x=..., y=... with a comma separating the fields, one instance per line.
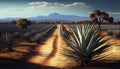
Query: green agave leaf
x=85, y=42
x=100, y=50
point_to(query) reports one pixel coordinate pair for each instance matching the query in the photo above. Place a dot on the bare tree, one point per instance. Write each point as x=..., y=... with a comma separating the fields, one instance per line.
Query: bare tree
x=100, y=16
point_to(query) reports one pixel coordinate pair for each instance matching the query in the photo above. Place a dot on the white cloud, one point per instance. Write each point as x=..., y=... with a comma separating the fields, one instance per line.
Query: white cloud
x=77, y=4
x=43, y=8
x=17, y=9
x=53, y=5
x=114, y=13
x=13, y=9
x=43, y=4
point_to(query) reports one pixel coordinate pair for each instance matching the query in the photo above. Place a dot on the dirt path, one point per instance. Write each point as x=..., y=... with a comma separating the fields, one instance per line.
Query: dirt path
x=50, y=52
x=53, y=52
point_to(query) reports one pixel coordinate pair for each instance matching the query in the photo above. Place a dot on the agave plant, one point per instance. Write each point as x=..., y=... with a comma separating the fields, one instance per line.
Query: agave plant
x=84, y=43
x=41, y=36
x=27, y=36
x=38, y=38
x=8, y=40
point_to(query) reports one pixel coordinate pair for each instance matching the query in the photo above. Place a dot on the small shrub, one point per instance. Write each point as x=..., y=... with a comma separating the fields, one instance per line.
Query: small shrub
x=110, y=33
x=8, y=40
x=114, y=33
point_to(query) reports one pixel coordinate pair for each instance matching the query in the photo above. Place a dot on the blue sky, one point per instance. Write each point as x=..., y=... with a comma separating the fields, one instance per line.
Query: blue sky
x=31, y=8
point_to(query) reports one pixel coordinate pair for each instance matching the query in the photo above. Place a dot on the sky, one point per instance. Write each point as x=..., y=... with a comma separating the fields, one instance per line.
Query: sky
x=32, y=8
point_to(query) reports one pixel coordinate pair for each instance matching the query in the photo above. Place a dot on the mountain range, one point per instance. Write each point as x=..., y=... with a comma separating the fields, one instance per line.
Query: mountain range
x=52, y=17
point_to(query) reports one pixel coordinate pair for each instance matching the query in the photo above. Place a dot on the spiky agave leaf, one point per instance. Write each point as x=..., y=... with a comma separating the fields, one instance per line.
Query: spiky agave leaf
x=85, y=42
x=8, y=40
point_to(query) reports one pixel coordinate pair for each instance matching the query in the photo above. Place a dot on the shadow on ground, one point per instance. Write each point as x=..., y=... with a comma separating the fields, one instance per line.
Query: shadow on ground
x=19, y=64
x=25, y=50
x=100, y=65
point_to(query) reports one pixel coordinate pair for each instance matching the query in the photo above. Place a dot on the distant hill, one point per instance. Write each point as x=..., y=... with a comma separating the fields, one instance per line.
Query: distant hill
x=59, y=17
x=52, y=17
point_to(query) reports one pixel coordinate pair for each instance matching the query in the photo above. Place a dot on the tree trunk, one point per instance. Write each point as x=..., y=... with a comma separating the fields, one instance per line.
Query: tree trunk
x=99, y=26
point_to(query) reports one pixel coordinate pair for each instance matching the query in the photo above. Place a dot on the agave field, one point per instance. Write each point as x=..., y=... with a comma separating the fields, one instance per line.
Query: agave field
x=58, y=46
x=36, y=34
x=30, y=34
x=112, y=30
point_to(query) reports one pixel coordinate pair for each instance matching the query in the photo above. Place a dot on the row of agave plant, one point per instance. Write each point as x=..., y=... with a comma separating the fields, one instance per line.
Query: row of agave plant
x=32, y=30
x=84, y=42
x=37, y=36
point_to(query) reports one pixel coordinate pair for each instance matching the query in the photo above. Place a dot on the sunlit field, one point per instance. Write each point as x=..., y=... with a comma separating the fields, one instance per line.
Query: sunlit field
x=59, y=34
x=40, y=46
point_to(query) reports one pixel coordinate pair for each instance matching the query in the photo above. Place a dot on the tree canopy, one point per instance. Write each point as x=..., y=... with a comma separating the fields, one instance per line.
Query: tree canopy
x=100, y=16
x=23, y=23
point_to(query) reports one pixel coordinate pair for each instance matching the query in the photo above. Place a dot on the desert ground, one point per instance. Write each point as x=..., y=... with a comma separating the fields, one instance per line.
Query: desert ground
x=47, y=55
